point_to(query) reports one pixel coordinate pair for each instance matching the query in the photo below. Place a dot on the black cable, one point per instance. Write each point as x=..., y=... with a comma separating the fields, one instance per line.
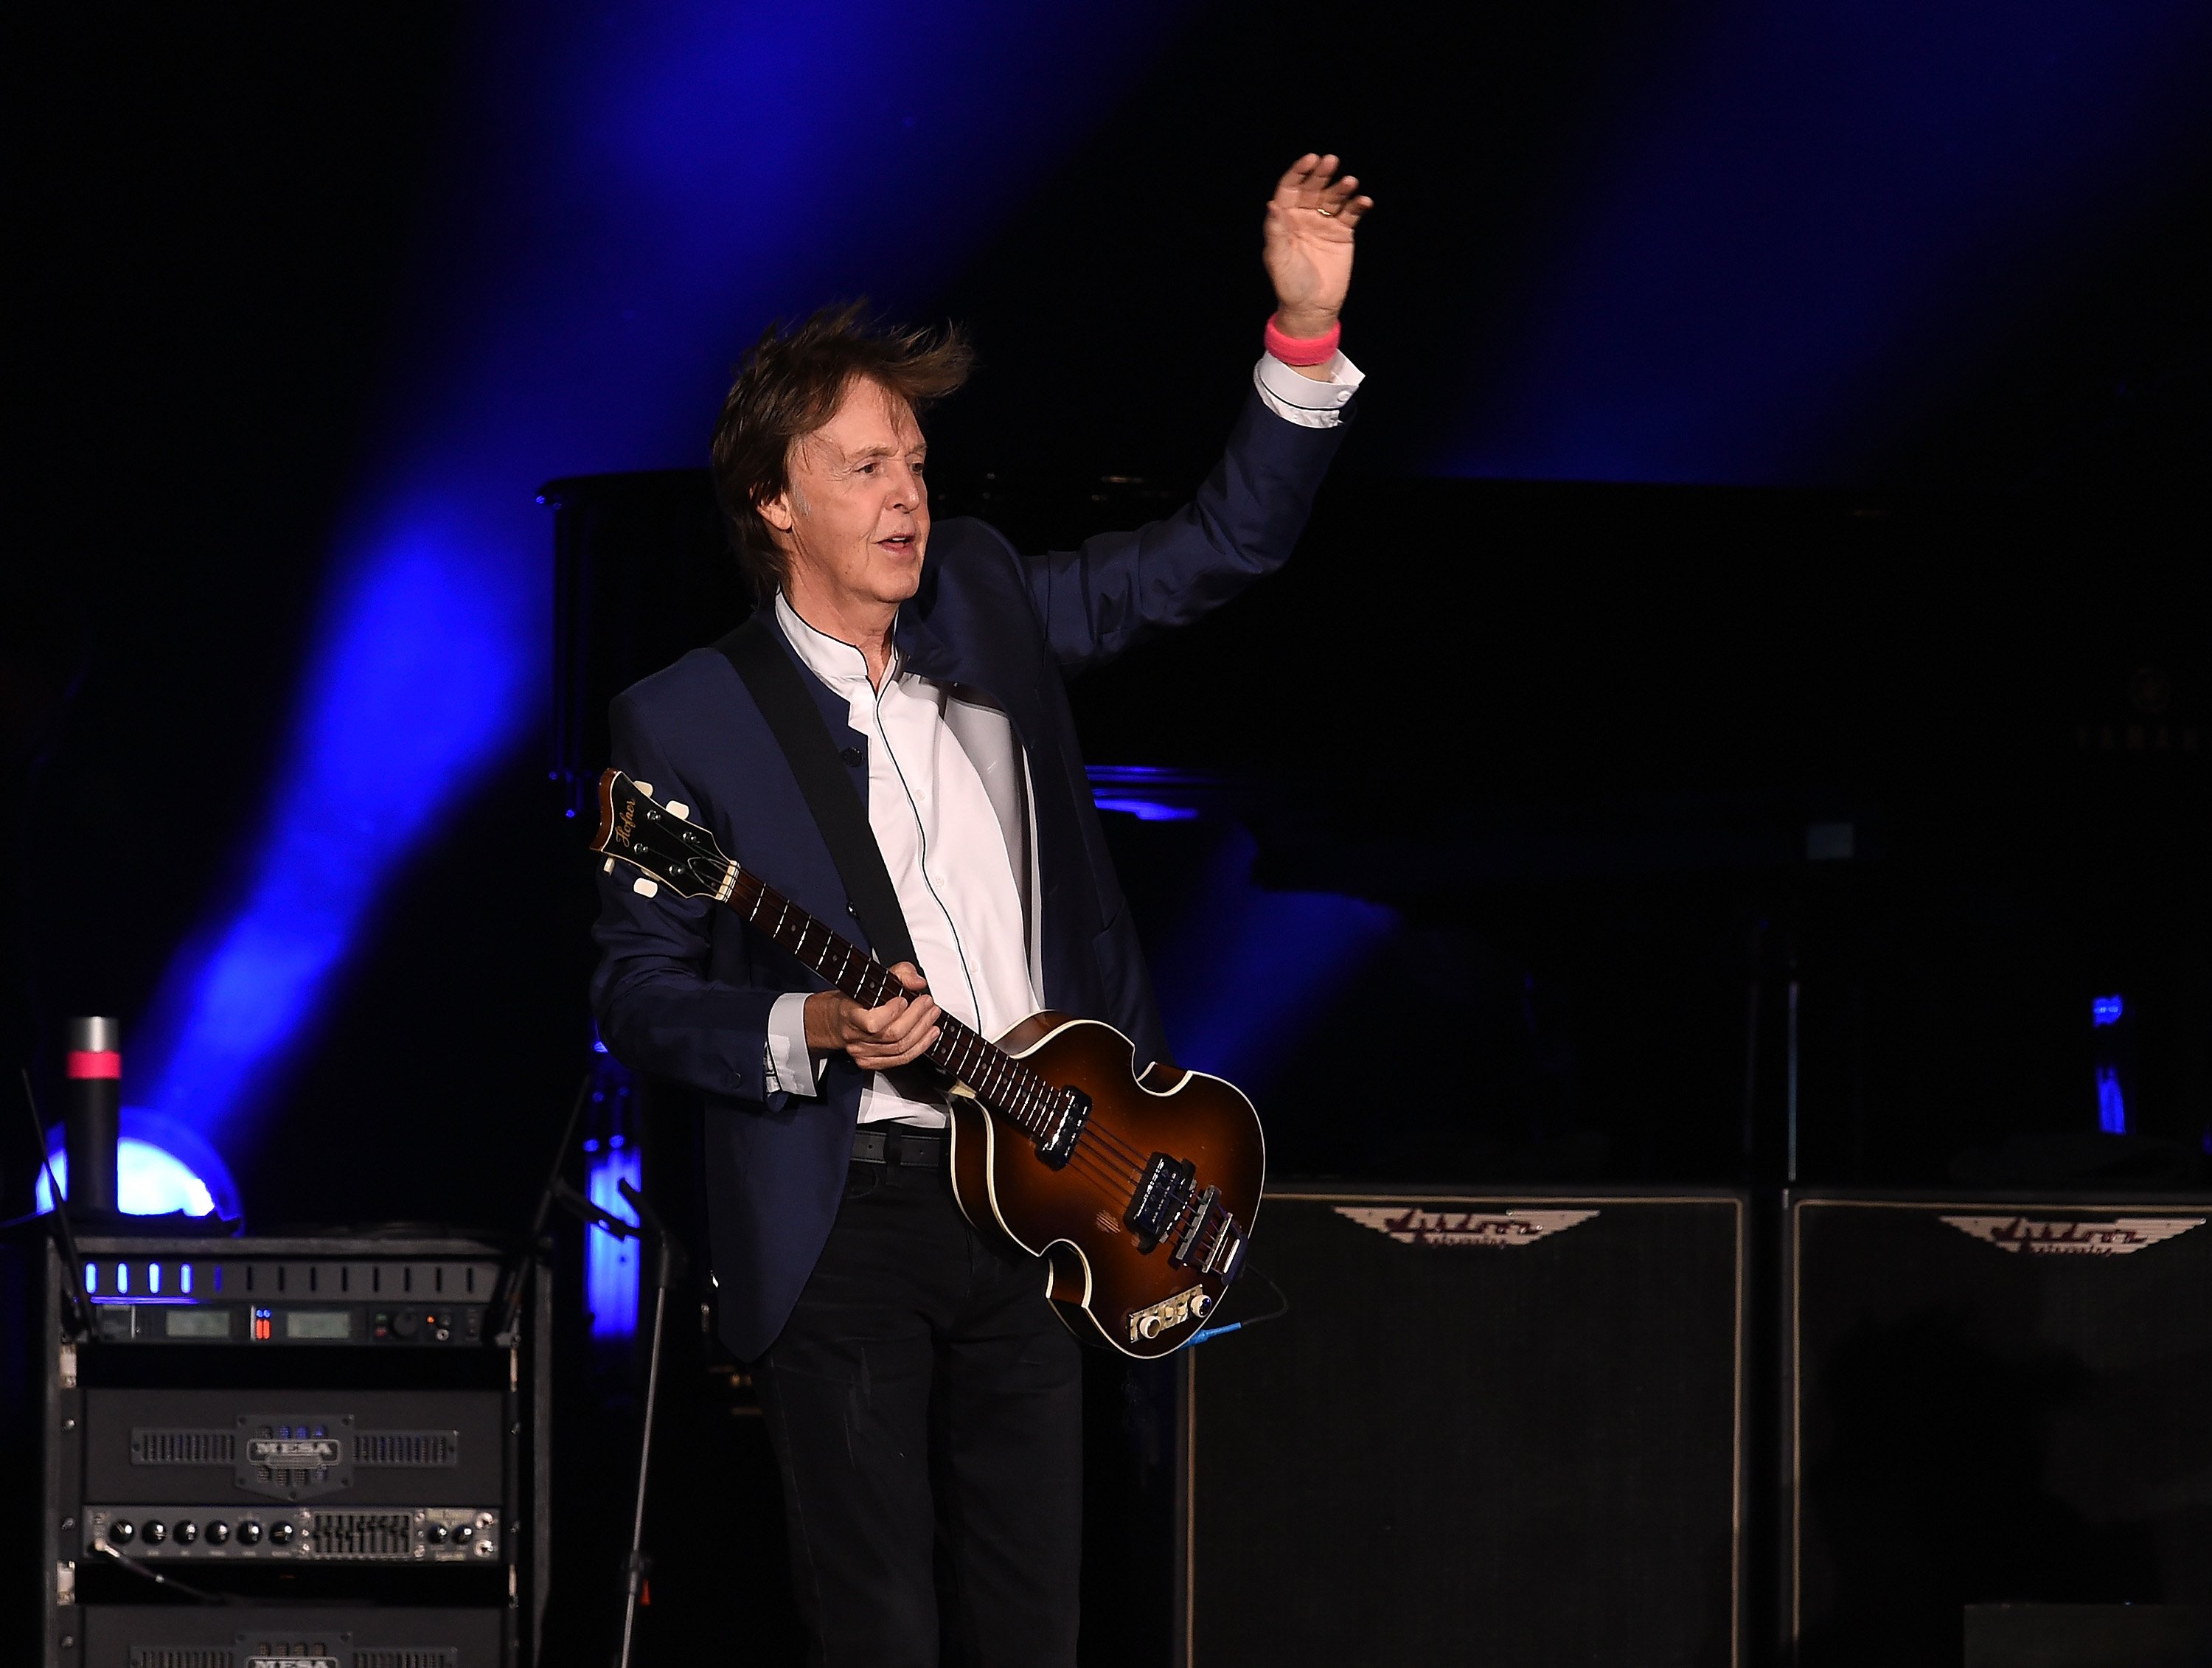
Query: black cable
x=199, y=1594
x=517, y=1274
x=80, y=1306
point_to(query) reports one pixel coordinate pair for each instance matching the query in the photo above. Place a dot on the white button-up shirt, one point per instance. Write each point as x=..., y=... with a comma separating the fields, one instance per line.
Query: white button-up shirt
x=948, y=804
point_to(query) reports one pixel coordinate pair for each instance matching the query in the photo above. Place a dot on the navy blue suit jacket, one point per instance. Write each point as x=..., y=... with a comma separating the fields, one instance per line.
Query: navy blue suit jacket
x=683, y=987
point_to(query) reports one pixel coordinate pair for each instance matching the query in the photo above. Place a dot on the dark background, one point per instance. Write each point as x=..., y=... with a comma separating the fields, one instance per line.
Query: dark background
x=1506, y=783
x=226, y=225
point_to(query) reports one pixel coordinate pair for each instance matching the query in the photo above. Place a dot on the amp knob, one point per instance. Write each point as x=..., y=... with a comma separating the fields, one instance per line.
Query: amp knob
x=218, y=1533
x=155, y=1532
x=406, y=1322
x=249, y=1533
x=121, y=1531
x=465, y=1534
x=280, y=1534
x=187, y=1531
x=436, y=1534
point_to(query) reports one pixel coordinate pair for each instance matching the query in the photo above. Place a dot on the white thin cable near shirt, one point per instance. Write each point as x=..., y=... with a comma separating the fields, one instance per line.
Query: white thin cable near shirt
x=945, y=849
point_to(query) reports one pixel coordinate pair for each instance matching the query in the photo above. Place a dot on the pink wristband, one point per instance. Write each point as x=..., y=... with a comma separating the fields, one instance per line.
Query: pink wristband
x=1313, y=350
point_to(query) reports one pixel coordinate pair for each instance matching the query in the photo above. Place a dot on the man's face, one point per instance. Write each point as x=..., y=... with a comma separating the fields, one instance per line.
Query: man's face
x=855, y=518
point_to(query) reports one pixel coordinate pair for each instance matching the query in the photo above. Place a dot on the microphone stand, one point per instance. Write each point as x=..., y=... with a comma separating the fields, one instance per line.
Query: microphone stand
x=76, y=1318
x=668, y=1267
x=515, y=1277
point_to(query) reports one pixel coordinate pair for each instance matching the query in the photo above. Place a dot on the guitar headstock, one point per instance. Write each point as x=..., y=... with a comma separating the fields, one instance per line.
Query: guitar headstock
x=635, y=828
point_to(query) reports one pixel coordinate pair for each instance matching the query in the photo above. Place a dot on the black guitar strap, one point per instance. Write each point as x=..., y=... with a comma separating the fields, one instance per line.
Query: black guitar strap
x=780, y=691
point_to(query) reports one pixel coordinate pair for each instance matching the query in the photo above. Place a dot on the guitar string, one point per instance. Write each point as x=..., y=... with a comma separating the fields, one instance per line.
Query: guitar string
x=1112, y=1162
x=1108, y=1166
x=1022, y=1086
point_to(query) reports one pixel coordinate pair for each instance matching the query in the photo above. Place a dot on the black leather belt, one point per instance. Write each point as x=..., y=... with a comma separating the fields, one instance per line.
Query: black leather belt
x=897, y=1143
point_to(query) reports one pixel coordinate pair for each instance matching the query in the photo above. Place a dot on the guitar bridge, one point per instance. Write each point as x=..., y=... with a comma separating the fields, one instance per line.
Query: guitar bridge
x=1212, y=1244
x=1161, y=1194
x=1056, y=1145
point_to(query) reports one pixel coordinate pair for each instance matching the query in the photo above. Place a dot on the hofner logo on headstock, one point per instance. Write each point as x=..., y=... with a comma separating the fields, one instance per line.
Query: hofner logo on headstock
x=2116, y=1238
x=1416, y=1226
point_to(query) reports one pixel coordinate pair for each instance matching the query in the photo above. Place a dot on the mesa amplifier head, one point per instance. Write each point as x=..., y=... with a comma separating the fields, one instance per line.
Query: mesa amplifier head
x=339, y=1636
x=1991, y=1401
x=1505, y=1427
x=252, y=1475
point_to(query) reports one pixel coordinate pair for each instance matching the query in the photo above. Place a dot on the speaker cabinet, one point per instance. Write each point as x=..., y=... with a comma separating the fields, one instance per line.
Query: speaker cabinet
x=1992, y=1401
x=1505, y=1427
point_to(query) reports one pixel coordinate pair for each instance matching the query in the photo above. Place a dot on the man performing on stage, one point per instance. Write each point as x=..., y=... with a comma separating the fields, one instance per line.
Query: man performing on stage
x=918, y=1386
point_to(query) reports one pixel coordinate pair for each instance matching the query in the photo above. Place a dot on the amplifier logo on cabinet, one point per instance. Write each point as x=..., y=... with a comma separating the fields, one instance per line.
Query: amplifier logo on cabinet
x=1415, y=1226
x=2115, y=1237
x=311, y=1452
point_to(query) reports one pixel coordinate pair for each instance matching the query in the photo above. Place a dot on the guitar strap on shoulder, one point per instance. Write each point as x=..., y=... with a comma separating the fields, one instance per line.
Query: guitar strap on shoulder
x=780, y=691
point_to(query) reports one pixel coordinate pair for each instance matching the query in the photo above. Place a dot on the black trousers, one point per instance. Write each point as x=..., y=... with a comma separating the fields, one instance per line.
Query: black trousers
x=925, y=1405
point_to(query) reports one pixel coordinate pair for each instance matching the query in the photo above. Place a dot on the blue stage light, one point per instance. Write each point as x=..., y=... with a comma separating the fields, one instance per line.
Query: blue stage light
x=1146, y=811
x=611, y=1264
x=1807, y=220
x=1150, y=793
x=2111, y=1108
x=1247, y=966
x=639, y=193
x=160, y=1167
x=2106, y=1010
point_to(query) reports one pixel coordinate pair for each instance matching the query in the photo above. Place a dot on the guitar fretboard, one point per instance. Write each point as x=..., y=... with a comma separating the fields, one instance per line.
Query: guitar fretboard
x=1000, y=1081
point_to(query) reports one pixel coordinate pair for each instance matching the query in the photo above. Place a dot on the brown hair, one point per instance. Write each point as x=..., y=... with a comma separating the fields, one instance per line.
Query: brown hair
x=789, y=386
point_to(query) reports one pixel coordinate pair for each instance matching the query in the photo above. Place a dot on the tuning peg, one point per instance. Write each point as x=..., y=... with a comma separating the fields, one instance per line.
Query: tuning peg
x=643, y=887
x=677, y=808
x=607, y=867
x=644, y=787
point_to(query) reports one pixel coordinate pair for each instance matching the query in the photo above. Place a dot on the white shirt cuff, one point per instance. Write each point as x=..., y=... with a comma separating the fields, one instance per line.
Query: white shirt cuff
x=790, y=1068
x=1303, y=400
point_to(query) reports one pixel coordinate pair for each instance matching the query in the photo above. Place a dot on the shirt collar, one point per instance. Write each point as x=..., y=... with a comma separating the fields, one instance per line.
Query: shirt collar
x=837, y=663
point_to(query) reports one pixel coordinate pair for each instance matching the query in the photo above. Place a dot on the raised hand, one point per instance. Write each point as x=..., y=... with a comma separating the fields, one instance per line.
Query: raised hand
x=1308, y=248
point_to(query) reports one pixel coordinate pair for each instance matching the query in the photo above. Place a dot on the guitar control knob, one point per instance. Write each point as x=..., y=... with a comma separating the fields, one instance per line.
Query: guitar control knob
x=1200, y=1303
x=121, y=1532
x=1149, y=1328
x=249, y=1533
x=281, y=1534
x=187, y=1531
x=218, y=1533
x=155, y=1532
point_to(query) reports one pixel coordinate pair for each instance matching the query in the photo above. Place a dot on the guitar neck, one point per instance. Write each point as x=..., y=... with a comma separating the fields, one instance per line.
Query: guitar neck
x=996, y=1077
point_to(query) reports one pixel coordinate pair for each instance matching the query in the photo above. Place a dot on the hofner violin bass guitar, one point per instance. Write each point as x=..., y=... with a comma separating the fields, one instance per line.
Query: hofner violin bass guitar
x=1140, y=1192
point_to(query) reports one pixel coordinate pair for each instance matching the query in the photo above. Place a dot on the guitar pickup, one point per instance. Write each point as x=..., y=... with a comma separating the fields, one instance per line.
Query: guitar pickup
x=1159, y=1200
x=1057, y=1146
